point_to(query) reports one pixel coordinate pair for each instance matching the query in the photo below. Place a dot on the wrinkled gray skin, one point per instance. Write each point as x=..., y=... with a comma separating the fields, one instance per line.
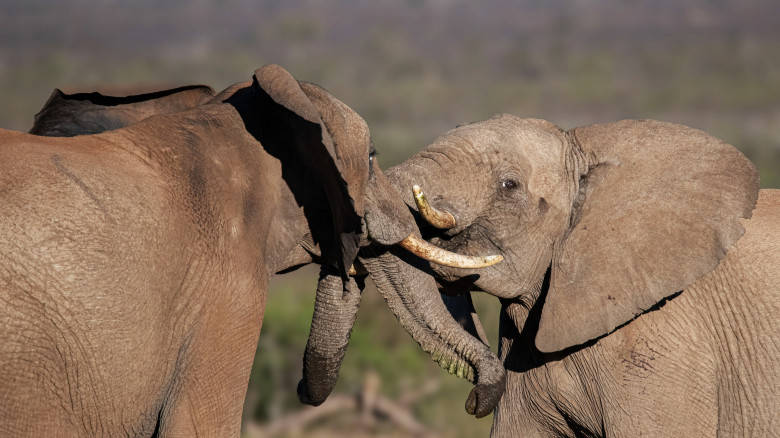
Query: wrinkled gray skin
x=134, y=263
x=601, y=228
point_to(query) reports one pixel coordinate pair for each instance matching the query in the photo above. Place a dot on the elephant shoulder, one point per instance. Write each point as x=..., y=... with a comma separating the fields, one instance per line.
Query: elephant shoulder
x=766, y=213
x=750, y=272
x=761, y=243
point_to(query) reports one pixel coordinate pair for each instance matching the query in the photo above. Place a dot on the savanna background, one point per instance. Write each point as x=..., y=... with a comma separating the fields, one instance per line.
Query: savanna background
x=413, y=69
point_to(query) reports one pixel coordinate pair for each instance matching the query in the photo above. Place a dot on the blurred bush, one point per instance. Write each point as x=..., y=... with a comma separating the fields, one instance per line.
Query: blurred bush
x=414, y=69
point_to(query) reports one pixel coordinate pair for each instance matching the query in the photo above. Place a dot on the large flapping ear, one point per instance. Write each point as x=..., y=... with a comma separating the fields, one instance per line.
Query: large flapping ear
x=68, y=115
x=313, y=144
x=351, y=140
x=658, y=207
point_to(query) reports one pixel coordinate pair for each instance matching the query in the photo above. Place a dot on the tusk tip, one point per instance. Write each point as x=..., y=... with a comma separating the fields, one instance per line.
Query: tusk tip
x=493, y=259
x=441, y=219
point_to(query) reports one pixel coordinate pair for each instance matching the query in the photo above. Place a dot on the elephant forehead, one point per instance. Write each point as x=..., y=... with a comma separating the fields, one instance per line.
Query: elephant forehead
x=539, y=140
x=535, y=148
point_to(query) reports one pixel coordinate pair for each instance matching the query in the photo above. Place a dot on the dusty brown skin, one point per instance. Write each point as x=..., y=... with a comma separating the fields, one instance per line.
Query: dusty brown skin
x=632, y=302
x=134, y=264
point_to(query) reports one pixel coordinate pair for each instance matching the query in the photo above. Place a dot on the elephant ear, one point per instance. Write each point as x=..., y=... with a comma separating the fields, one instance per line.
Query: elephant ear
x=313, y=145
x=658, y=207
x=68, y=115
x=350, y=138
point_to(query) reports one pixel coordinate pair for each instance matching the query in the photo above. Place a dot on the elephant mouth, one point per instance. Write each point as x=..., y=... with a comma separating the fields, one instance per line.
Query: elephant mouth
x=440, y=228
x=436, y=255
x=473, y=239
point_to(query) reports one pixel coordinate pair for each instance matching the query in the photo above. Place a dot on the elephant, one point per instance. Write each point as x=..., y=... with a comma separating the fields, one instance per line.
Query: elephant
x=640, y=288
x=134, y=263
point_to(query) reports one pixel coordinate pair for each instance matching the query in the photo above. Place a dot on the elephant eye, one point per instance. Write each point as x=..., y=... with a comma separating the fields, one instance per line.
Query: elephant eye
x=371, y=155
x=509, y=184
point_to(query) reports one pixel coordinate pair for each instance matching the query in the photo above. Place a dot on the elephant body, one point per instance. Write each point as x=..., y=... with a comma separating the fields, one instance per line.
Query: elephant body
x=705, y=363
x=639, y=287
x=136, y=268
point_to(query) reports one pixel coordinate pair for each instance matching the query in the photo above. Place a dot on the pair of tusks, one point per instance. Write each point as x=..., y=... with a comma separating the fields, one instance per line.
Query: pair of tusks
x=421, y=248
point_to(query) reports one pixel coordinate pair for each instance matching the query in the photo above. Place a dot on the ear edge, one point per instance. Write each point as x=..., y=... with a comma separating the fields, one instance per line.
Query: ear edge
x=284, y=90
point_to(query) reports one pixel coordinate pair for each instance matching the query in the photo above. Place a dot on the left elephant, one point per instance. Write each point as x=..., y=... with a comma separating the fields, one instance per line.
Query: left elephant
x=134, y=263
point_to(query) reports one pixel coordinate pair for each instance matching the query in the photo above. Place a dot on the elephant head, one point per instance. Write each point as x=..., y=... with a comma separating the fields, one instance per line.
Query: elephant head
x=596, y=225
x=342, y=202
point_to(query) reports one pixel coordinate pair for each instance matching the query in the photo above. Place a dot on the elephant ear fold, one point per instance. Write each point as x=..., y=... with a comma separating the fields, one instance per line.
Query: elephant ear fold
x=658, y=207
x=68, y=115
x=300, y=123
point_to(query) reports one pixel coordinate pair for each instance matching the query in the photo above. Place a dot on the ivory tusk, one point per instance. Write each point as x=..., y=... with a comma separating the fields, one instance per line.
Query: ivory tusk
x=357, y=269
x=438, y=218
x=432, y=253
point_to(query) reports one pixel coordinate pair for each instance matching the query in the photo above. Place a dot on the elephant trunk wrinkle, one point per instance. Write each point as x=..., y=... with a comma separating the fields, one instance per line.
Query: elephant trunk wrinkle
x=417, y=323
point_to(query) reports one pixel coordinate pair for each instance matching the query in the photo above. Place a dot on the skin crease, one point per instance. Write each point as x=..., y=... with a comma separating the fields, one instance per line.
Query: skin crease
x=108, y=331
x=701, y=362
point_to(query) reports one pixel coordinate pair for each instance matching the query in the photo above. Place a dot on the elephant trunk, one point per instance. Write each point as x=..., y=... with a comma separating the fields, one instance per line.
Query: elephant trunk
x=391, y=227
x=335, y=309
x=413, y=297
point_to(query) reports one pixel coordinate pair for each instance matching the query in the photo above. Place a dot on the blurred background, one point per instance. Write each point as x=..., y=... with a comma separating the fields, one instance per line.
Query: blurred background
x=413, y=69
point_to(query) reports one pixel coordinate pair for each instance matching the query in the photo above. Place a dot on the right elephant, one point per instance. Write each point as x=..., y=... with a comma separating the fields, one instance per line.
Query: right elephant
x=641, y=284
